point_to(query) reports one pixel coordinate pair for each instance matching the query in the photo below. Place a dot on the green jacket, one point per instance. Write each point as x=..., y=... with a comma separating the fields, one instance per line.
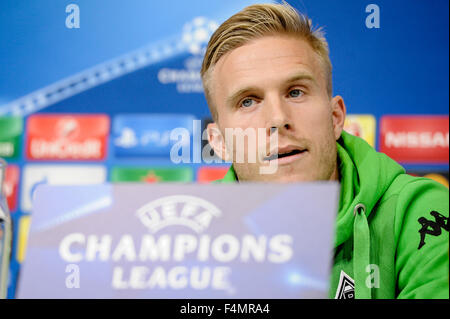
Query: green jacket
x=392, y=237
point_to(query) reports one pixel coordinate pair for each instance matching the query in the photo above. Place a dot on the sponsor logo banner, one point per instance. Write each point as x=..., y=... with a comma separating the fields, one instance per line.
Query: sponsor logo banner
x=67, y=137
x=180, y=241
x=11, y=129
x=10, y=186
x=415, y=139
x=362, y=126
x=150, y=135
x=151, y=175
x=35, y=176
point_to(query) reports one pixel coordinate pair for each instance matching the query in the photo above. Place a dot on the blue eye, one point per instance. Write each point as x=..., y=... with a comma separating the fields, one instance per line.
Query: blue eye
x=247, y=103
x=295, y=93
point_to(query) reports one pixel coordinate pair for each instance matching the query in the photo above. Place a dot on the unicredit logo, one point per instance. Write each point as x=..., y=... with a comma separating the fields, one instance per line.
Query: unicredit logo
x=64, y=137
x=189, y=211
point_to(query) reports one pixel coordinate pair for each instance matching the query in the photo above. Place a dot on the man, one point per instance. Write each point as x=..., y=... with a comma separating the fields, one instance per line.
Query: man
x=265, y=68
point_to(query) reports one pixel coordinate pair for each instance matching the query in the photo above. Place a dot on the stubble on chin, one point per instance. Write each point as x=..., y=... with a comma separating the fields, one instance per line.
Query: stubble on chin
x=320, y=166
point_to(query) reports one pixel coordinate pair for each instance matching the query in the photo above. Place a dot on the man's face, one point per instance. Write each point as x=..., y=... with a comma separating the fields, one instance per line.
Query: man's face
x=278, y=84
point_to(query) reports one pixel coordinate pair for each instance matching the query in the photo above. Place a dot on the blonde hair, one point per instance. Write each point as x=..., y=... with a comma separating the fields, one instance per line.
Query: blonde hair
x=257, y=21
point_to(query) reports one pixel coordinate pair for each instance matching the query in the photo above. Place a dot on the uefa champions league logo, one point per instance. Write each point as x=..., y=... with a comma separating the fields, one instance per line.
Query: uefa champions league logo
x=189, y=211
x=197, y=33
x=194, y=40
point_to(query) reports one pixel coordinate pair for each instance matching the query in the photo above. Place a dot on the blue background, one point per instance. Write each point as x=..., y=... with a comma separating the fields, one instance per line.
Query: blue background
x=402, y=67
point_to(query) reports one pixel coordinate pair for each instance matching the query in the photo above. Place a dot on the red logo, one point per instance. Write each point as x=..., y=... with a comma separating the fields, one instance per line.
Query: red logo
x=209, y=174
x=151, y=177
x=10, y=184
x=415, y=139
x=67, y=137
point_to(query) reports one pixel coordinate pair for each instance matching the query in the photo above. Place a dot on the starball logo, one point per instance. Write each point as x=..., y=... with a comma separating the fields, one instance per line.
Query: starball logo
x=195, y=37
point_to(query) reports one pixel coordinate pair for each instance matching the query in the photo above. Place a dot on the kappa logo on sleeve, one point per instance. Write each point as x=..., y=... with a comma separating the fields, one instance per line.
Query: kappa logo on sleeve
x=432, y=227
x=346, y=287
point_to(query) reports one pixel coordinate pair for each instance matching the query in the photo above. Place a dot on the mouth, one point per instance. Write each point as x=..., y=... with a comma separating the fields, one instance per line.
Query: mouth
x=286, y=154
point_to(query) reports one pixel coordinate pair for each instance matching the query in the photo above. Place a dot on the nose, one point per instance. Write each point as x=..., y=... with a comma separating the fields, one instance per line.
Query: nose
x=278, y=116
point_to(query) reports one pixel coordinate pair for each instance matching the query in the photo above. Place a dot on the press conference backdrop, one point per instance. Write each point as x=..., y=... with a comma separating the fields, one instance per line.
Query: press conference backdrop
x=94, y=99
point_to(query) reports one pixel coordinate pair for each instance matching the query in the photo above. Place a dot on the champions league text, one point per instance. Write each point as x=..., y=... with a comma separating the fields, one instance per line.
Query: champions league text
x=169, y=252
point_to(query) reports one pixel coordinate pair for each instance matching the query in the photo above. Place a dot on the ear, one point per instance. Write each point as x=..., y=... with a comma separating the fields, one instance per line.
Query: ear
x=338, y=112
x=217, y=141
